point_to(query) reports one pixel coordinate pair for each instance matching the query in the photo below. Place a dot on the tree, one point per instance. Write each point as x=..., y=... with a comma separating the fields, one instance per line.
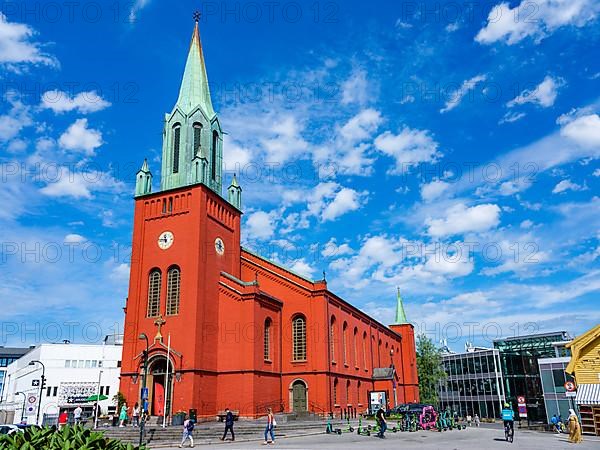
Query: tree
x=430, y=369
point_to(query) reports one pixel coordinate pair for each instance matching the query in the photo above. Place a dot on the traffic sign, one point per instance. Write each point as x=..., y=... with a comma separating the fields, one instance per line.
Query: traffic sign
x=569, y=386
x=520, y=400
x=35, y=383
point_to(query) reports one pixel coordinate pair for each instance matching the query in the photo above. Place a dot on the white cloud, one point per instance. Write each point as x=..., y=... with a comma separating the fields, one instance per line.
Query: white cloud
x=536, y=20
x=329, y=200
x=301, y=267
x=457, y=96
x=356, y=88
x=285, y=141
x=450, y=265
x=566, y=185
x=81, y=184
x=84, y=102
x=409, y=148
x=16, y=146
x=332, y=249
x=511, y=117
x=74, y=239
x=526, y=224
x=16, y=119
x=433, y=190
x=544, y=94
x=584, y=130
x=596, y=173
x=361, y=126
x=235, y=157
x=260, y=226
x=461, y=219
x=137, y=6
x=79, y=137
x=17, y=47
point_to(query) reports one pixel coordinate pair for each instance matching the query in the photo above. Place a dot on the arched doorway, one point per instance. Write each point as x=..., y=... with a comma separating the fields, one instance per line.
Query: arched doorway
x=159, y=387
x=299, y=403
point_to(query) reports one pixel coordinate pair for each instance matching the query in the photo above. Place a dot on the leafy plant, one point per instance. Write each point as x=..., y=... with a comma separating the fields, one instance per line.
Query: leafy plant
x=430, y=369
x=69, y=438
x=119, y=399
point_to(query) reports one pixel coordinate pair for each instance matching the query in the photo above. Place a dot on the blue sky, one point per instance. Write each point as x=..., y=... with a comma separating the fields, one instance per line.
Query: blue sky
x=450, y=149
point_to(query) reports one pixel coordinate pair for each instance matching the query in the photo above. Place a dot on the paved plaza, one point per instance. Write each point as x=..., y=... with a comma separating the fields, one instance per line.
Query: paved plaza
x=472, y=438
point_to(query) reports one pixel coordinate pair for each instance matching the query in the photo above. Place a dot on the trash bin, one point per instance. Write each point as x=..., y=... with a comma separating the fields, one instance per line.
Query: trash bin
x=193, y=415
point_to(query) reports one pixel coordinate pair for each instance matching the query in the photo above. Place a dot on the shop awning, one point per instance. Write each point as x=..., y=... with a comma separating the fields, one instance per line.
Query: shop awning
x=588, y=394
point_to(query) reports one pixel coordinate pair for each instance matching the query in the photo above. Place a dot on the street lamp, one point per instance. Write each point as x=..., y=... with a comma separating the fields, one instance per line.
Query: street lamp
x=393, y=376
x=23, y=409
x=143, y=337
x=97, y=401
x=42, y=383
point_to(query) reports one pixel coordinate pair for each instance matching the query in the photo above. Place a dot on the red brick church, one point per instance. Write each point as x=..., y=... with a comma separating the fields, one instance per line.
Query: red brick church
x=226, y=327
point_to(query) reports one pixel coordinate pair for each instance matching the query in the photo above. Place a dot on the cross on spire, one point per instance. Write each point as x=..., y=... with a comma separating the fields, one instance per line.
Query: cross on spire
x=197, y=15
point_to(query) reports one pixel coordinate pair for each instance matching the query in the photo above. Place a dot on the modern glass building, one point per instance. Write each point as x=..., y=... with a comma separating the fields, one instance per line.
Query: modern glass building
x=554, y=377
x=474, y=383
x=519, y=357
x=8, y=356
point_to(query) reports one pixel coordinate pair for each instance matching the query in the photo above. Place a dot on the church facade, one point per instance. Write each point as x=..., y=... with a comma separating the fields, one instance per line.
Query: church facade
x=209, y=324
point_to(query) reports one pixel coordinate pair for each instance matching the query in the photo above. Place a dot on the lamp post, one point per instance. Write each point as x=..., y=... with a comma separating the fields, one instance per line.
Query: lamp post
x=393, y=376
x=97, y=401
x=42, y=383
x=143, y=337
x=23, y=409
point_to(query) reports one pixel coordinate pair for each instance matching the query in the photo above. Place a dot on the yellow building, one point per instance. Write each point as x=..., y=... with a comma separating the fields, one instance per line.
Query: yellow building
x=585, y=365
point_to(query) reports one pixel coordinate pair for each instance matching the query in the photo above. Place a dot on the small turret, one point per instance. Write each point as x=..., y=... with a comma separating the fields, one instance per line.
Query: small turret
x=234, y=193
x=143, y=180
x=200, y=167
x=400, y=314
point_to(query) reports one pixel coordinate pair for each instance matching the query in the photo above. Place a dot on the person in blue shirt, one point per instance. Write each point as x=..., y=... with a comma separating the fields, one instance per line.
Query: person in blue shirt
x=508, y=417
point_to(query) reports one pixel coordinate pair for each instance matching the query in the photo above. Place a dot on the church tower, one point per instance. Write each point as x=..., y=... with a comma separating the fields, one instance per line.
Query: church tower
x=185, y=235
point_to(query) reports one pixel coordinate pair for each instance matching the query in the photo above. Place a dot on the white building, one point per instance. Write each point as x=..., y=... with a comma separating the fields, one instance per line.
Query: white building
x=73, y=372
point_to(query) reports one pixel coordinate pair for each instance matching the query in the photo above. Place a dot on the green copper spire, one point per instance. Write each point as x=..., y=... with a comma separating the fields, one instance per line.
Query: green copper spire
x=400, y=314
x=143, y=180
x=194, y=89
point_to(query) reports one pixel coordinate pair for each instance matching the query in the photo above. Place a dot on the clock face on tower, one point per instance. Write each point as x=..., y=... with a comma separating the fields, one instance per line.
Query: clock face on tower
x=219, y=246
x=165, y=240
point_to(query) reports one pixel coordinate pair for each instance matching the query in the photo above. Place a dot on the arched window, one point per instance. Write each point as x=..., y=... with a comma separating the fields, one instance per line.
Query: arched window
x=364, y=349
x=154, y=282
x=299, y=338
x=176, y=145
x=345, y=342
x=197, y=136
x=332, y=337
x=355, y=344
x=267, y=340
x=173, y=290
x=213, y=161
x=335, y=385
x=348, y=392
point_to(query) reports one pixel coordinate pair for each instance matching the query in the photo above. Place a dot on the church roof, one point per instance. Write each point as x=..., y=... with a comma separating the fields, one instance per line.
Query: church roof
x=400, y=314
x=194, y=89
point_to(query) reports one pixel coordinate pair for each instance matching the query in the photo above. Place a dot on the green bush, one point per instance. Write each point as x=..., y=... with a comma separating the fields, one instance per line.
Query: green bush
x=69, y=438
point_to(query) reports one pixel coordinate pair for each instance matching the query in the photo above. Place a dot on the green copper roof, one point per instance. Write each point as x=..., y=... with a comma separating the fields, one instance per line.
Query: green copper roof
x=194, y=89
x=400, y=314
x=234, y=182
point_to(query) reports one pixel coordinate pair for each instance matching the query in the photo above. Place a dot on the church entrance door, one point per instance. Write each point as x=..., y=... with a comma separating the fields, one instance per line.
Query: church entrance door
x=299, y=397
x=161, y=387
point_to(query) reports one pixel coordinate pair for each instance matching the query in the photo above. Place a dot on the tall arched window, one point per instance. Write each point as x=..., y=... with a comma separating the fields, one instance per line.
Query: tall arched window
x=154, y=282
x=267, y=340
x=355, y=344
x=332, y=335
x=213, y=161
x=173, y=290
x=364, y=349
x=348, y=392
x=335, y=386
x=345, y=342
x=299, y=338
x=197, y=136
x=176, y=145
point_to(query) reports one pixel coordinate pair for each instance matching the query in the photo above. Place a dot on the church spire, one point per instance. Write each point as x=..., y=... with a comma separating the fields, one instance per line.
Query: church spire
x=400, y=314
x=194, y=90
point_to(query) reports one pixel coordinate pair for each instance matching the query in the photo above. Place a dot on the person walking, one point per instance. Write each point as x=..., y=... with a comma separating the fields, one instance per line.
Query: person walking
x=135, y=421
x=380, y=416
x=188, y=429
x=476, y=420
x=469, y=419
x=228, y=424
x=270, y=427
x=77, y=415
x=574, y=428
x=123, y=415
